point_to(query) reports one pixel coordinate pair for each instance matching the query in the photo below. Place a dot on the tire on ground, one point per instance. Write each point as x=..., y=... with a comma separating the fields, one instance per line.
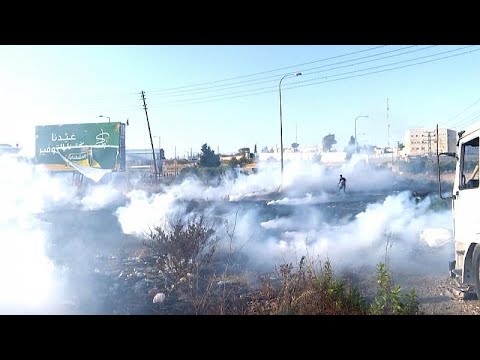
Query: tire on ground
x=476, y=269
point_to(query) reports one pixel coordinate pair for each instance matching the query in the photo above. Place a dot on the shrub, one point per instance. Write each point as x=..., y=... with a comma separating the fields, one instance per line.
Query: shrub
x=304, y=292
x=389, y=300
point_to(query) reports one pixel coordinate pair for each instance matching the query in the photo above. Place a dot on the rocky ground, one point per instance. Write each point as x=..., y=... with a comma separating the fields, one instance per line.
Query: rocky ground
x=437, y=293
x=131, y=284
x=436, y=297
x=125, y=280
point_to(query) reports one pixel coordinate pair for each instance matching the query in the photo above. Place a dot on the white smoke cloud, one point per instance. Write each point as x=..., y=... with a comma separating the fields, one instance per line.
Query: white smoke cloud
x=100, y=196
x=307, y=199
x=314, y=223
x=302, y=183
x=144, y=211
x=303, y=177
x=27, y=278
x=26, y=274
x=363, y=241
x=30, y=281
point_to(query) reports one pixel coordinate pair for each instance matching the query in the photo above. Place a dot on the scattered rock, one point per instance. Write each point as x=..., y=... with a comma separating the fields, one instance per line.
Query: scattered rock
x=159, y=298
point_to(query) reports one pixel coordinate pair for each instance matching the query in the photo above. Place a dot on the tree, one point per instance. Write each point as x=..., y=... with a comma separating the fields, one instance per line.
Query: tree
x=328, y=141
x=233, y=162
x=265, y=150
x=352, y=141
x=208, y=157
x=350, y=149
x=255, y=151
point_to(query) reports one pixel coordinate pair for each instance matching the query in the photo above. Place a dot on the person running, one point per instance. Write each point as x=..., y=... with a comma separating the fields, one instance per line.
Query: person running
x=342, y=184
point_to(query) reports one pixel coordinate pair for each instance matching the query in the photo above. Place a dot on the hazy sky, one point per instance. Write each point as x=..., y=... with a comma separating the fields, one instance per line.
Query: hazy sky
x=190, y=103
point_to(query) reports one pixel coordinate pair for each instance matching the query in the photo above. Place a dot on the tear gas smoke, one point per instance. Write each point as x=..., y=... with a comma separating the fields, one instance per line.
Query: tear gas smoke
x=51, y=233
x=276, y=235
x=36, y=214
x=27, y=278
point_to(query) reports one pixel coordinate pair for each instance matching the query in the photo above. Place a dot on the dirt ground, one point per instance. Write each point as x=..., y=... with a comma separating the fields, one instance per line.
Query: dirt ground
x=118, y=281
x=435, y=291
x=435, y=296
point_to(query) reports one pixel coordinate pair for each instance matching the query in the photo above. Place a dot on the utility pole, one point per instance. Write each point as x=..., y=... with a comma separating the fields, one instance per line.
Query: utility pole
x=388, y=127
x=150, y=132
x=430, y=142
x=296, y=140
x=160, y=164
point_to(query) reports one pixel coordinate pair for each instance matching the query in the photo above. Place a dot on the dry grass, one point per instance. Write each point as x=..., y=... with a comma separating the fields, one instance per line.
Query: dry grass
x=187, y=259
x=306, y=292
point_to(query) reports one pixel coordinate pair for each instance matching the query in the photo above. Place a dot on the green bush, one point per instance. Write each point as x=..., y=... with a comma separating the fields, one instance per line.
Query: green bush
x=389, y=300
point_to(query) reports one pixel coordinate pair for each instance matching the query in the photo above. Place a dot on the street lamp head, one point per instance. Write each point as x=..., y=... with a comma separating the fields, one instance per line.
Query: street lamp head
x=361, y=116
x=108, y=117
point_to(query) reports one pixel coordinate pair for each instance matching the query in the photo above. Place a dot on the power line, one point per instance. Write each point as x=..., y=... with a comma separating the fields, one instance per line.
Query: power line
x=134, y=107
x=468, y=107
x=269, y=71
x=394, y=63
x=265, y=90
x=365, y=57
x=259, y=81
x=278, y=69
x=467, y=120
x=395, y=68
x=459, y=122
x=473, y=120
x=329, y=76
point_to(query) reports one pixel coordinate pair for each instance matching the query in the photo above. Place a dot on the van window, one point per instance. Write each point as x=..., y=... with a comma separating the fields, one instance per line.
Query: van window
x=470, y=165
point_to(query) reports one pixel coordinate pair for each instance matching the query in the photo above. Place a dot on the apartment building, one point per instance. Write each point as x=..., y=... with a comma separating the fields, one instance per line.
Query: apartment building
x=423, y=141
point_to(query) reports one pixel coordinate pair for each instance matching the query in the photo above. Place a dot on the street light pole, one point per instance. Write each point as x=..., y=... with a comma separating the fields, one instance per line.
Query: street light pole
x=108, y=117
x=160, y=167
x=281, y=128
x=356, y=143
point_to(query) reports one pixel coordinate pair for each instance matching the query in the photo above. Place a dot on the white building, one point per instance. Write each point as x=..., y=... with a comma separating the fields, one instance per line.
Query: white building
x=334, y=157
x=423, y=141
x=299, y=154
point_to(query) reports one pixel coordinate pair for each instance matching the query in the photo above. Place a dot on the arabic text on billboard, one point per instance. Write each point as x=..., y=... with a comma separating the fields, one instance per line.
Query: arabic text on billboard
x=98, y=145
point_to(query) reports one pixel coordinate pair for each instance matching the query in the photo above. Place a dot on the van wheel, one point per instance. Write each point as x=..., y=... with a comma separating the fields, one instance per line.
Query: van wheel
x=476, y=269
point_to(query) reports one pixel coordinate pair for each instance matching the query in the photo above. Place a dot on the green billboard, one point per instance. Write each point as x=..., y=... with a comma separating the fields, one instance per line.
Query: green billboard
x=95, y=145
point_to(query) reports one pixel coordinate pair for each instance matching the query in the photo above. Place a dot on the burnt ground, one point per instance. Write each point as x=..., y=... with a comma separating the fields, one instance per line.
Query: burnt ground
x=127, y=283
x=109, y=272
